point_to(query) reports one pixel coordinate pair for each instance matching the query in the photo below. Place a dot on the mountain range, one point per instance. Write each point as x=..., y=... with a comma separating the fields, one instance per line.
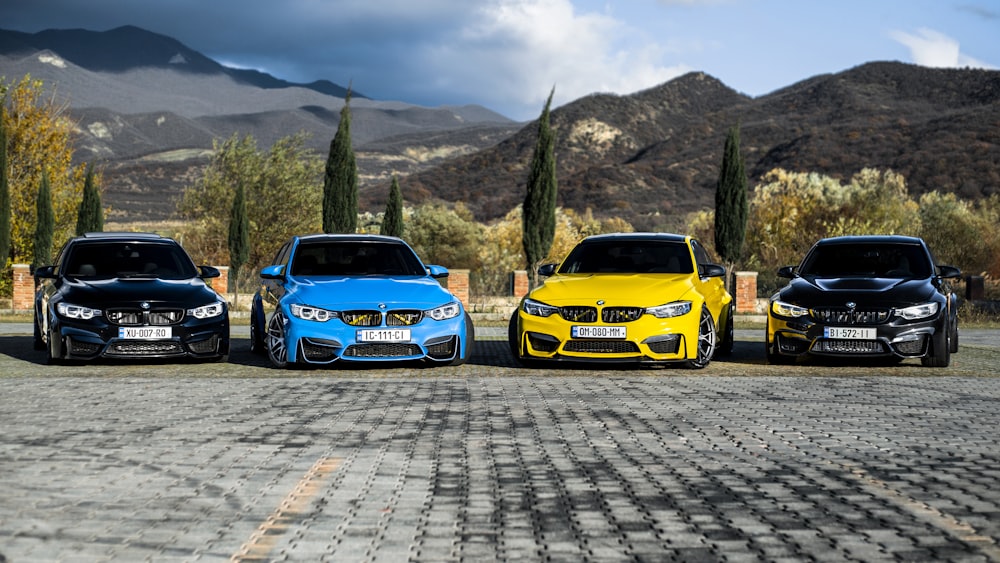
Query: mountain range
x=148, y=108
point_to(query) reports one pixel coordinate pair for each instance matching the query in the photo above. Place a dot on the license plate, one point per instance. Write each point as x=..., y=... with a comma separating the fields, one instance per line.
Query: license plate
x=144, y=332
x=598, y=332
x=849, y=333
x=384, y=335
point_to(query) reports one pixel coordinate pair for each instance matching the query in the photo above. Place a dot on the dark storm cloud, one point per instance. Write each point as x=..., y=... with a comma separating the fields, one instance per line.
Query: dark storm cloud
x=375, y=45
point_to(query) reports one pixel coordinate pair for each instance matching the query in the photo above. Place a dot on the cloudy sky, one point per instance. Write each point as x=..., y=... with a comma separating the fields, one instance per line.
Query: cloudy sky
x=508, y=54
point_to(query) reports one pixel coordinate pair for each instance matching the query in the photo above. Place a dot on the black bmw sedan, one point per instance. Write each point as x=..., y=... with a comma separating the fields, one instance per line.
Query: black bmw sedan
x=128, y=296
x=865, y=296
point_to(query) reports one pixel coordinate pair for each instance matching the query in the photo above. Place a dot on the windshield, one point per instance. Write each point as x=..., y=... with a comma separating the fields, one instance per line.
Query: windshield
x=129, y=259
x=629, y=257
x=355, y=258
x=885, y=260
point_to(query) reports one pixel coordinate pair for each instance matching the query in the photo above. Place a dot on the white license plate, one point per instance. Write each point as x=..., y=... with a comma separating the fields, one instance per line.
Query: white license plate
x=849, y=333
x=144, y=332
x=617, y=332
x=384, y=335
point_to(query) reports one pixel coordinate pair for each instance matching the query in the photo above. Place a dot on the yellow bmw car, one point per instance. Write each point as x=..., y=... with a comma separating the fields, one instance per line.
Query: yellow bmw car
x=645, y=298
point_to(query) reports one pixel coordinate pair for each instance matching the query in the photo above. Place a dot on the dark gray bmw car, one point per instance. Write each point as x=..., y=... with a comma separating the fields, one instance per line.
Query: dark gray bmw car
x=128, y=296
x=865, y=296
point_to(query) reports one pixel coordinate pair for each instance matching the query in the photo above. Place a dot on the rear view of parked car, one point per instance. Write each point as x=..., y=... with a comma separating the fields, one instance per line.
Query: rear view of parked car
x=865, y=297
x=128, y=296
x=356, y=298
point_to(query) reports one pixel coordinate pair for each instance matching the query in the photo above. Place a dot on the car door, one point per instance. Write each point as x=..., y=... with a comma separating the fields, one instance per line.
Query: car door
x=712, y=288
x=273, y=289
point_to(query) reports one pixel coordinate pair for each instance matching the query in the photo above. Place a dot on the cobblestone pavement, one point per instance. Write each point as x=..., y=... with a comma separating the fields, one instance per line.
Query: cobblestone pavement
x=489, y=462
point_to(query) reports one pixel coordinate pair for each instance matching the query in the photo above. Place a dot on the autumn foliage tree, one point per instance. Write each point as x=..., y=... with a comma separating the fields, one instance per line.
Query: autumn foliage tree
x=39, y=137
x=282, y=198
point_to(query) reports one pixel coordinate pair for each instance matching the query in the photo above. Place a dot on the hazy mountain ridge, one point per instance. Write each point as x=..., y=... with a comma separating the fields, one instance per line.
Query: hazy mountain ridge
x=653, y=156
x=649, y=157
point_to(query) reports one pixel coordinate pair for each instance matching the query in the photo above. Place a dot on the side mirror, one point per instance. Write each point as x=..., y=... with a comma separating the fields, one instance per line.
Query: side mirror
x=437, y=272
x=45, y=272
x=711, y=271
x=946, y=272
x=208, y=272
x=786, y=272
x=547, y=270
x=274, y=272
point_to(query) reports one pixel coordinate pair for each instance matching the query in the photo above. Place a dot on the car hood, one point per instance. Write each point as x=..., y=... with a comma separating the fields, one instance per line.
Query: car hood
x=812, y=291
x=339, y=293
x=616, y=290
x=124, y=291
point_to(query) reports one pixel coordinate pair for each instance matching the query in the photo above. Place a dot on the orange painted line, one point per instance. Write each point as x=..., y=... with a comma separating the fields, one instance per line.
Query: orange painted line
x=263, y=540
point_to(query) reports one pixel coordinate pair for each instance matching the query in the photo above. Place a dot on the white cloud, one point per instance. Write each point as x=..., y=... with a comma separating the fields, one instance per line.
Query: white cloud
x=934, y=49
x=517, y=50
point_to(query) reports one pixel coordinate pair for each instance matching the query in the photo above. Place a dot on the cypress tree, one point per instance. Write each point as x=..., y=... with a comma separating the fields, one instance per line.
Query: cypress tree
x=539, y=212
x=340, y=182
x=5, y=228
x=44, y=223
x=239, y=238
x=90, y=217
x=392, y=221
x=731, y=202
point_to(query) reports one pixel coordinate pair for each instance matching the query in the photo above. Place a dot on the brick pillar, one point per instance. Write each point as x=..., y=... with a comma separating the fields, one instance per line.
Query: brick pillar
x=24, y=288
x=221, y=283
x=519, y=283
x=746, y=292
x=458, y=284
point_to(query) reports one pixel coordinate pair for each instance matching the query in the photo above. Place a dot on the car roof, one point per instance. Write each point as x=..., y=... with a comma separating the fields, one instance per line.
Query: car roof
x=348, y=238
x=868, y=239
x=113, y=235
x=636, y=237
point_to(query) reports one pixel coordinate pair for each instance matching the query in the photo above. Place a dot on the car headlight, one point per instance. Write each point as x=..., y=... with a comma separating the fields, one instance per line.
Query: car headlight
x=918, y=311
x=444, y=312
x=675, y=309
x=308, y=313
x=538, y=309
x=782, y=309
x=208, y=311
x=71, y=311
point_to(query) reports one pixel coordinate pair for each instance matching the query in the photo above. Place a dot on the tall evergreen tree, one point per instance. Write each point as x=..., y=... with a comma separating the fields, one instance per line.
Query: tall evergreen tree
x=239, y=238
x=340, y=182
x=539, y=213
x=4, y=196
x=90, y=217
x=45, y=223
x=392, y=221
x=731, y=203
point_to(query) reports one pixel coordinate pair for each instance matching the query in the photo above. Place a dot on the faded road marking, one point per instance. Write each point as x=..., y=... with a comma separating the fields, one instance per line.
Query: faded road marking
x=263, y=540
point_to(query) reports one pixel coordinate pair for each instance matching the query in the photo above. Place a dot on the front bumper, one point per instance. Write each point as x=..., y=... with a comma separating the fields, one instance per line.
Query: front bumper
x=896, y=338
x=647, y=340
x=433, y=341
x=93, y=339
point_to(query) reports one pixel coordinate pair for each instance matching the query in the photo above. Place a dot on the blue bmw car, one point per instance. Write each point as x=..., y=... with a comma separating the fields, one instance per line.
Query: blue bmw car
x=356, y=298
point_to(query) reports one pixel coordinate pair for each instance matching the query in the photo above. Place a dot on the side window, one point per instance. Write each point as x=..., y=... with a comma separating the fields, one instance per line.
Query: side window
x=700, y=254
x=282, y=255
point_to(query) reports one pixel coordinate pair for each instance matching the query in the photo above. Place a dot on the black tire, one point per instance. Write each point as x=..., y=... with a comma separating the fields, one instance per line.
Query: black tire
x=470, y=341
x=954, y=337
x=256, y=338
x=38, y=343
x=708, y=340
x=513, y=338
x=729, y=336
x=275, y=342
x=939, y=356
